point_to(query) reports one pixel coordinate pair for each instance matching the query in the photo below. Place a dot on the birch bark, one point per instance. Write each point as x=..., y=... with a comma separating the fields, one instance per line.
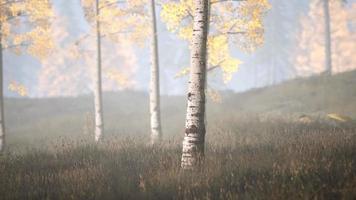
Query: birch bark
x=98, y=104
x=193, y=142
x=156, y=130
x=2, y=122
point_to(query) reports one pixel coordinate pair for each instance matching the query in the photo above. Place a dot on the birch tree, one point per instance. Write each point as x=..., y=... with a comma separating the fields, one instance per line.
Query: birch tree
x=217, y=24
x=193, y=142
x=155, y=112
x=92, y=11
x=135, y=11
x=102, y=14
x=34, y=17
x=2, y=118
x=98, y=99
x=154, y=85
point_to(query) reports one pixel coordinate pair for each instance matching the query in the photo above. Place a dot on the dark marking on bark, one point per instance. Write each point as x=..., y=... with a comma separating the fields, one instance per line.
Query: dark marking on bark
x=195, y=115
x=192, y=129
x=190, y=96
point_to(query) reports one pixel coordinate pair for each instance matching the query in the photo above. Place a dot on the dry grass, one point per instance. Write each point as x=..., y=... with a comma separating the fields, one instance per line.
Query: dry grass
x=255, y=148
x=244, y=160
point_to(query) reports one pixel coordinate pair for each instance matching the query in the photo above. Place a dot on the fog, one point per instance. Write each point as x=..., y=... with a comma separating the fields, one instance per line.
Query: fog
x=272, y=63
x=275, y=119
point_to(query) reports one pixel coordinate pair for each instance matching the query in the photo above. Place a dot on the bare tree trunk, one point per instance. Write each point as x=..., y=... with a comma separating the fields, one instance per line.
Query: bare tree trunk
x=155, y=112
x=2, y=122
x=193, y=143
x=327, y=48
x=99, y=123
x=328, y=58
x=207, y=63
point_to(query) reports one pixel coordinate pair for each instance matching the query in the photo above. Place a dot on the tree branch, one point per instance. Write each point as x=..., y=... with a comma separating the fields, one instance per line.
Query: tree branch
x=10, y=2
x=235, y=32
x=215, y=66
x=221, y=1
x=117, y=32
x=110, y=4
x=15, y=46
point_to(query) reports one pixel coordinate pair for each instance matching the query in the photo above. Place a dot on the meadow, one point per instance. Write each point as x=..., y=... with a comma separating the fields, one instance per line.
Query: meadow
x=257, y=147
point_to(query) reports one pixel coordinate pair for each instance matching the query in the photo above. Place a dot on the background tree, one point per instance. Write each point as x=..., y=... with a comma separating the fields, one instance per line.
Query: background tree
x=101, y=15
x=137, y=11
x=273, y=63
x=155, y=111
x=24, y=27
x=327, y=35
x=310, y=51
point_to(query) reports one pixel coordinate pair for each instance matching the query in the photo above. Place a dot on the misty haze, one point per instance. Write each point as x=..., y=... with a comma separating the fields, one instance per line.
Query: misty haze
x=177, y=99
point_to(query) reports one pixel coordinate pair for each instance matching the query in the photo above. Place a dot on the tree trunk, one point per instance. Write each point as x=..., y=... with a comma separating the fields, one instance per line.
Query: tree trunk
x=328, y=58
x=99, y=122
x=156, y=131
x=193, y=143
x=2, y=122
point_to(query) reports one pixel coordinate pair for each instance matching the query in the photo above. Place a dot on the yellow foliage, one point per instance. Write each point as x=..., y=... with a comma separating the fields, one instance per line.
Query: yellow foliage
x=239, y=22
x=120, y=78
x=18, y=88
x=42, y=43
x=182, y=72
x=37, y=39
x=186, y=33
x=219, y=55
x=124, y=20
x=173, y=13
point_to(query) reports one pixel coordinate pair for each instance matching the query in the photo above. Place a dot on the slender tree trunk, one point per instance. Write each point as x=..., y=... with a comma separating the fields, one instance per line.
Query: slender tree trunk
x=2, y=122
x=193, y=143
x=99, y=122
x=328, y=56
x=327, y=49
x=207, y=62
x=155, y=112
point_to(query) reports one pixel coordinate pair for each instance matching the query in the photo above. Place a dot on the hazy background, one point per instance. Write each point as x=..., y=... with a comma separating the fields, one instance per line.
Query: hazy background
x=288, y=136
x=59, y=75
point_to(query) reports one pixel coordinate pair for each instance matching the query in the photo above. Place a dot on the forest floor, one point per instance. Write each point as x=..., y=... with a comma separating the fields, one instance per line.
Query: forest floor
x=259, y=146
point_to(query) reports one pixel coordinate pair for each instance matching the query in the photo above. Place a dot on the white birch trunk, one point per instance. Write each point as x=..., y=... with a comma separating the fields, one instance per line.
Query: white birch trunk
x=98, y=104
x=156, y=131
x=328, y=58
x=193, y=143
x=2, y=123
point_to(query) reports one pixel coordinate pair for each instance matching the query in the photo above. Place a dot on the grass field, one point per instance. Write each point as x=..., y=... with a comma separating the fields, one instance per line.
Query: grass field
x=256, y=147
